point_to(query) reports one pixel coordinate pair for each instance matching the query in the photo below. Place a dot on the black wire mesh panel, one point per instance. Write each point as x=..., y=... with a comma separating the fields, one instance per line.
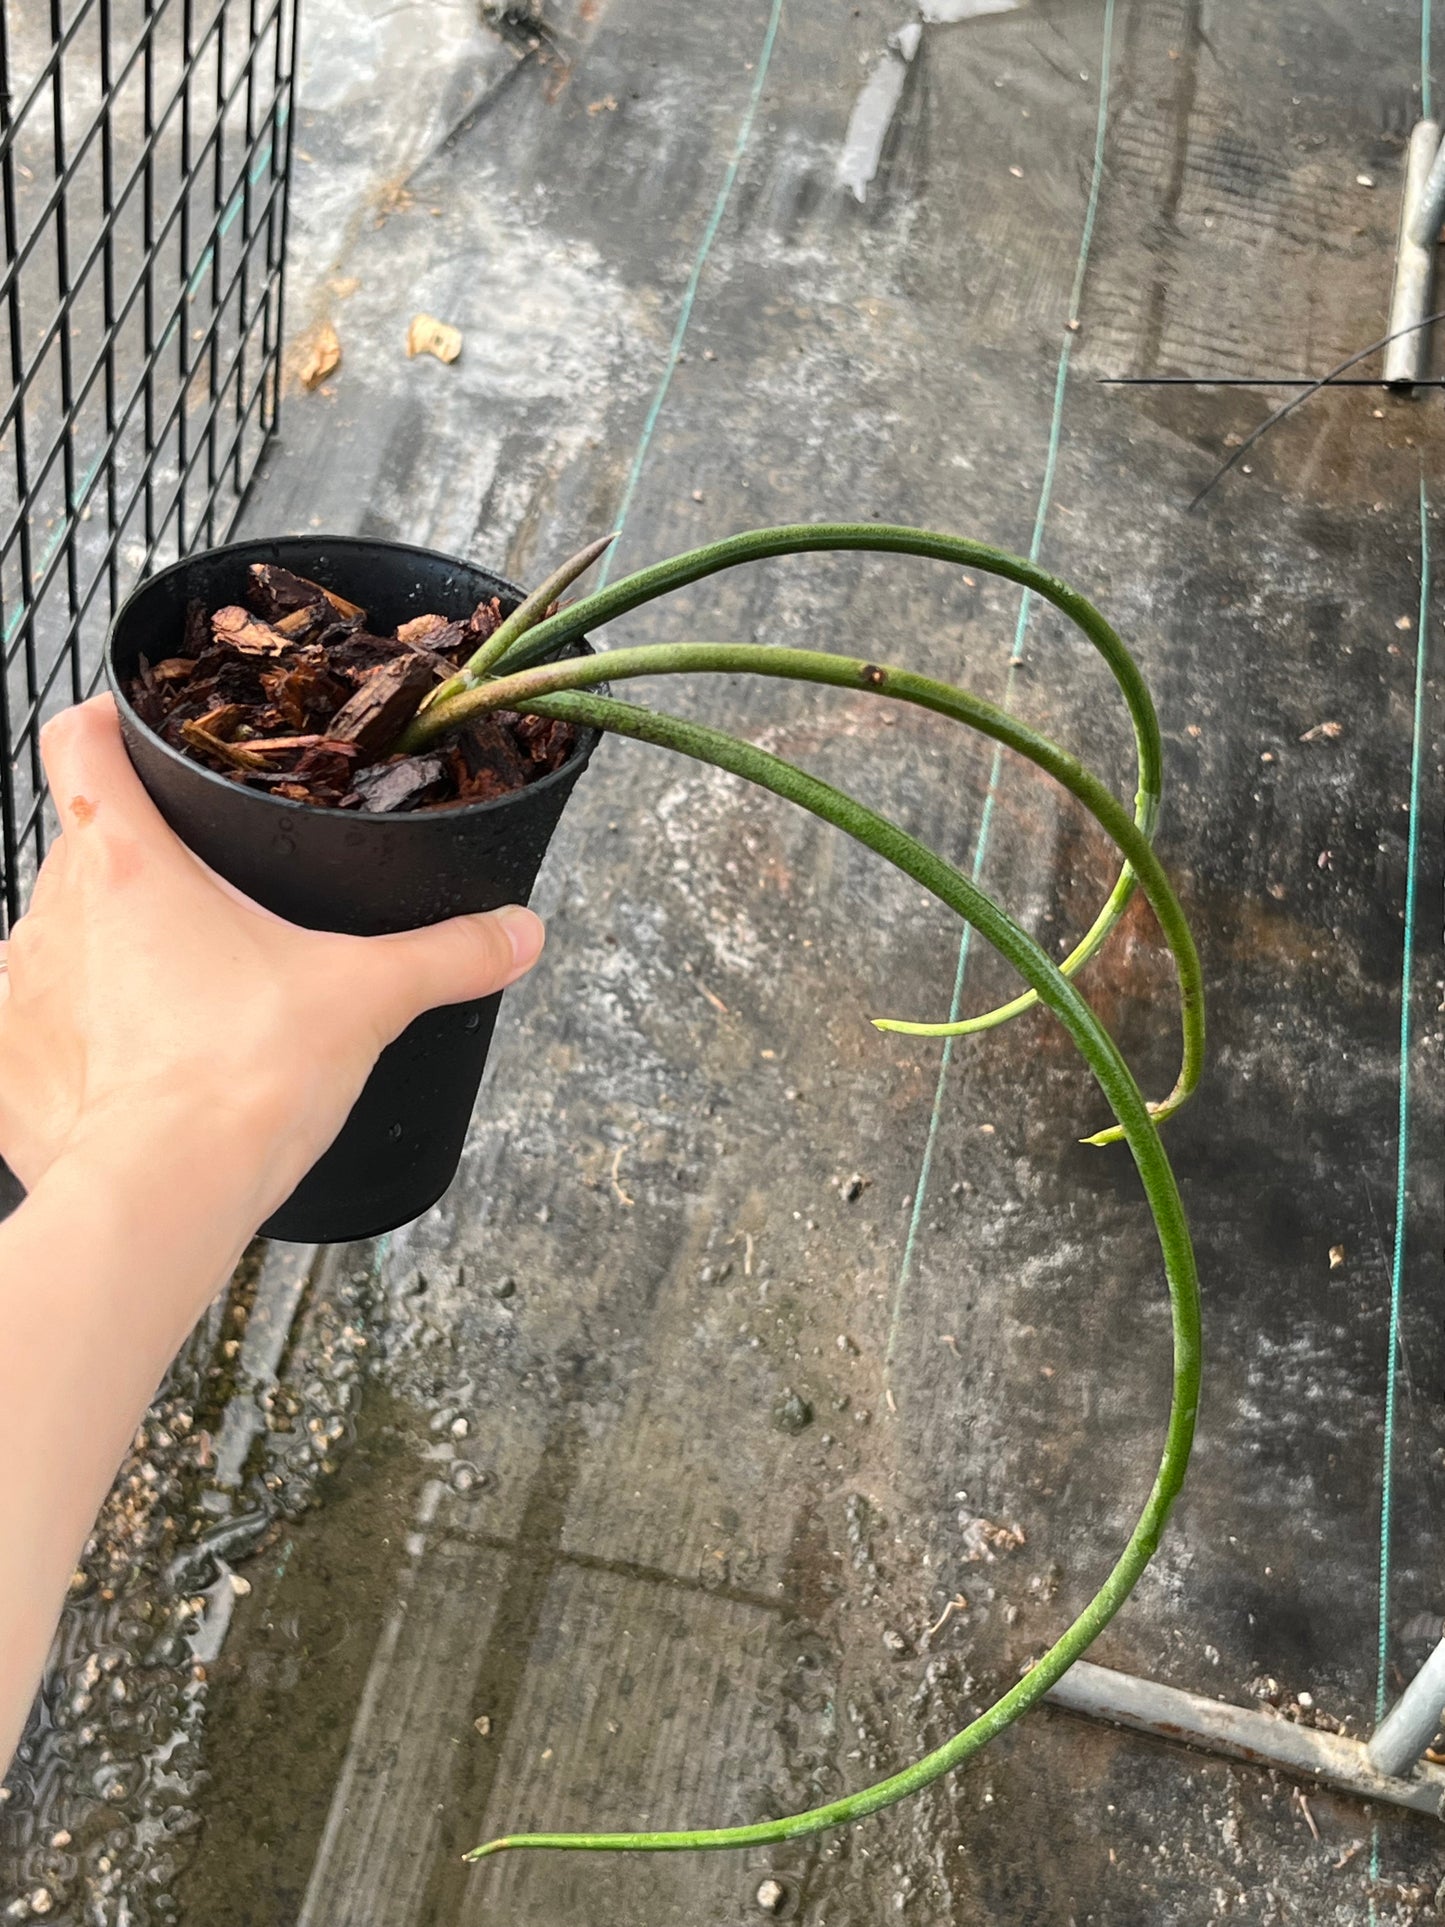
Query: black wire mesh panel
x=144, y=164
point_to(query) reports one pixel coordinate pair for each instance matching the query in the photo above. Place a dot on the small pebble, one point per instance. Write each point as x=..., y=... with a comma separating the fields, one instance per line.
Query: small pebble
x=792, y=1413
x=772, y=1897
x=459, y=1428
x=239, y=1586
x=1364, y=180
x=483, y=1725
x=1337, y=1257
x=896, y=1644
x=504, y=1288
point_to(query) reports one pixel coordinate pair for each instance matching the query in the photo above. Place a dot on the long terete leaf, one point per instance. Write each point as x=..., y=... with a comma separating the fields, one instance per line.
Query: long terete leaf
x=1126, y=1101
x=549, y=637
x=521, y=691
x=525, y=616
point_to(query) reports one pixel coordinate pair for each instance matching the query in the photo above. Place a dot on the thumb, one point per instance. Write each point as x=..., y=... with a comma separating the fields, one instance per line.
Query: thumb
x=455, y=961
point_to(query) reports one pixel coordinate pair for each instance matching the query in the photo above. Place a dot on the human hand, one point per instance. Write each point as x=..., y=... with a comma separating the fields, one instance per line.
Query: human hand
x=148, y=1004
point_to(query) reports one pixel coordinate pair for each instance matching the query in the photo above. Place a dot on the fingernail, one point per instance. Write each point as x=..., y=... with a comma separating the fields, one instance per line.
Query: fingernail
x=525, y=933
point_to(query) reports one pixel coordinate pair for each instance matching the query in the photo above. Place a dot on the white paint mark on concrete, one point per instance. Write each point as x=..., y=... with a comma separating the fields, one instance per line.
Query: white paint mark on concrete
x=873, y=113
x=876, y=105
x=947, y=13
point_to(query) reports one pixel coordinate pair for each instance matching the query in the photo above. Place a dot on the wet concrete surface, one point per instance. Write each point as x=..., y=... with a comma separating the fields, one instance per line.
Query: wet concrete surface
x=507, y=1519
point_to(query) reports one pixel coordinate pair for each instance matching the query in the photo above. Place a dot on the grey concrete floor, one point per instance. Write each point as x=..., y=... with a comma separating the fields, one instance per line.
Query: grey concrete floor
x=492, y=1522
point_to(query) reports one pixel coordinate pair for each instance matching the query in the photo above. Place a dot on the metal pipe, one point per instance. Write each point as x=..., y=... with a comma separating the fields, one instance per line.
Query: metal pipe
x=1405, y=358
x=1413, y=1721
x=1241, y=1733
x=1425, y=228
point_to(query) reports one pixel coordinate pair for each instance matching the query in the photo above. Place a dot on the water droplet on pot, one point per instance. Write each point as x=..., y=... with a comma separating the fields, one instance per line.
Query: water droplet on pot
x=394, y=1133
x=474, y=1020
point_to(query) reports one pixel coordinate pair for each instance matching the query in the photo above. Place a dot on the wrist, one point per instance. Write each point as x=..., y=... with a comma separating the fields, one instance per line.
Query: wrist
x=174, y=1146
x=168, y=1194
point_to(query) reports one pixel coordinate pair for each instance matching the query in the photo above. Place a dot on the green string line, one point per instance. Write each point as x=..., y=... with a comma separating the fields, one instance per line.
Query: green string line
x=985, y=823
x=1402, y=1158
x=1425, y=113
x=684, y=313
x=1407, y=959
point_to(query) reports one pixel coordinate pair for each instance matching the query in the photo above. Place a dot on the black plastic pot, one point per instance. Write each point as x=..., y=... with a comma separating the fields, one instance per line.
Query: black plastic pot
x=341, y=870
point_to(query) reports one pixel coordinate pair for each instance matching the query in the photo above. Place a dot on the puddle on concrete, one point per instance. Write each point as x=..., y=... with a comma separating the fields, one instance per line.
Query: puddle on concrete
x=284, y=1692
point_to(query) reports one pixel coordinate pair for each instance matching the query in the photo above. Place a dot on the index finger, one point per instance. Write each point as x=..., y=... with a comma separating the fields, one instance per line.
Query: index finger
x=89, y=771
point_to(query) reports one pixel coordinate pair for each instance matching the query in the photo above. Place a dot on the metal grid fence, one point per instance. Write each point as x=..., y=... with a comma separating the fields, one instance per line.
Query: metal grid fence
x=144, y=166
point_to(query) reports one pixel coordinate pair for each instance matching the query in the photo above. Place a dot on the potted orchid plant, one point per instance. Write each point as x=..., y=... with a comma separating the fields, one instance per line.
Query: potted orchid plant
x=383, y=807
